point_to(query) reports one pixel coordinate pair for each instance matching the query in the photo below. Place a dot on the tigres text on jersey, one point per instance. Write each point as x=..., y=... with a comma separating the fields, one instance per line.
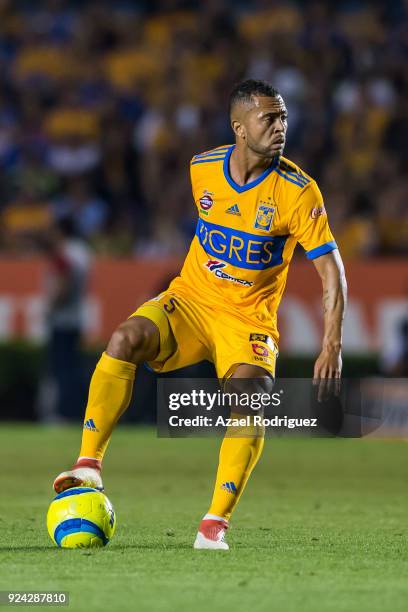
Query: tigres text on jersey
x=246, y=235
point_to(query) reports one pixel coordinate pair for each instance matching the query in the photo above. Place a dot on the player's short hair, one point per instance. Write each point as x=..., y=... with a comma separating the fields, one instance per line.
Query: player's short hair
x=243, y=92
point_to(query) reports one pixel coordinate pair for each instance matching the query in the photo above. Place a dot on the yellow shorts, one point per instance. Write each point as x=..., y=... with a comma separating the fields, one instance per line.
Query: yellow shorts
x=191, y=332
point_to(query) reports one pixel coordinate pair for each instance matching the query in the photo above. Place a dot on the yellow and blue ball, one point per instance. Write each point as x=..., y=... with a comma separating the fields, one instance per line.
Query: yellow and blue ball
x=81, y=517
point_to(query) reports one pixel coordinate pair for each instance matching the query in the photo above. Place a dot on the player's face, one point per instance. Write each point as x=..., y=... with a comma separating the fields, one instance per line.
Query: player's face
x=265, y=126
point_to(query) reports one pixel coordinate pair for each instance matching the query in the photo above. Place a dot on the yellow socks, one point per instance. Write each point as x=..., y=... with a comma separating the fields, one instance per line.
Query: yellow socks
x=109, y=396
x=238, y=457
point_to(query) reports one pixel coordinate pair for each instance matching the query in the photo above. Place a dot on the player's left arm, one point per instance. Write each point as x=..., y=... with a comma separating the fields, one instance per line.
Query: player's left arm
x=310, y=225
x=331, y=271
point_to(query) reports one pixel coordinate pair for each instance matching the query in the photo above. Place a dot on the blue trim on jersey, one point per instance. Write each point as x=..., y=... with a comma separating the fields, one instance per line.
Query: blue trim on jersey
x=321, y=250
x=240, y=249
x=209, y=155
x=77, y=525
x=298, y=177
x=206, y=160
x=212, y=153
x=242, y=188
x=288, y=178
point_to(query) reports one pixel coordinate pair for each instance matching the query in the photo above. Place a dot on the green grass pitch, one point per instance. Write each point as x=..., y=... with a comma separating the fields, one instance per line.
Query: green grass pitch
x=322, y=525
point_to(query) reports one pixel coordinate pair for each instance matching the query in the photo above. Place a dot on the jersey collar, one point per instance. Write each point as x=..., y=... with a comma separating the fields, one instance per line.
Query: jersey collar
x=247, y=186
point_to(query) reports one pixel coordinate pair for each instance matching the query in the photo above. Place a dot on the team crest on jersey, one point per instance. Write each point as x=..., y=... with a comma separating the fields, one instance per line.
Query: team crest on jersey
x=206, y=202
x=264, y=217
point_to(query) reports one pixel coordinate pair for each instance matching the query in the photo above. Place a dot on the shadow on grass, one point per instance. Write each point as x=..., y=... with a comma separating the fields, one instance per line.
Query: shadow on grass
x=27, y=548
x=120, y=549
x=155, y=546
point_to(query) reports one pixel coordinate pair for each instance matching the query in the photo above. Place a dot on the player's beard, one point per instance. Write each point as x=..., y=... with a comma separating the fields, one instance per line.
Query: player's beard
x=263, y=151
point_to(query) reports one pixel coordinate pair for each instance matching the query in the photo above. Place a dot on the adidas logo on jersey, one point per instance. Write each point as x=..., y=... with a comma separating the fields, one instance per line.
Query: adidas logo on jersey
x=233, y=210
x=90, y=424
x=230, y=487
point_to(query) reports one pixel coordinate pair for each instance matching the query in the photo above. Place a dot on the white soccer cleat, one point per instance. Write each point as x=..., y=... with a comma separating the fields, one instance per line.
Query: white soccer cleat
x=211, y=534
x=85, y=473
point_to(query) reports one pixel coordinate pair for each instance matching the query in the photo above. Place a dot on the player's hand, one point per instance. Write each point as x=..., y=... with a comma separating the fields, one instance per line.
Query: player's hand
x=327, y=373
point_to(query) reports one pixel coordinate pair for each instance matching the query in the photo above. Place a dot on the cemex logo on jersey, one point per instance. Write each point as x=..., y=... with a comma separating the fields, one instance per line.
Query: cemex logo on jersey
x=206, y=202
x=214, y=264
x=217, y=268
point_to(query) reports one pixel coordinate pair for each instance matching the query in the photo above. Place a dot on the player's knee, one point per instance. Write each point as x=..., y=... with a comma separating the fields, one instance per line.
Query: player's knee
x=248, y=388
x=121, y=344
x=251, y=379
x=250, y=382
x=134, y=341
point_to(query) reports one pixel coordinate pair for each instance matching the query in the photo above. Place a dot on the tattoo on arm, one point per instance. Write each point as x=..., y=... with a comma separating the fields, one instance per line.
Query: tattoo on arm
x=326, y=300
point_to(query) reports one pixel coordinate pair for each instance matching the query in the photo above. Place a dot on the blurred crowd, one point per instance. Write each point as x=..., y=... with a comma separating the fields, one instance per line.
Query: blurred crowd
x=102, y=104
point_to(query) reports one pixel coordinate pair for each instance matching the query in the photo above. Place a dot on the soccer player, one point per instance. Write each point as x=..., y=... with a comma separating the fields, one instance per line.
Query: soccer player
x=254, y=206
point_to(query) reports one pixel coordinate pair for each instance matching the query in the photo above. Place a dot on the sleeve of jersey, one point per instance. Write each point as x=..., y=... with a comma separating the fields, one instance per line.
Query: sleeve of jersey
x=192, y=179
x=309, y=223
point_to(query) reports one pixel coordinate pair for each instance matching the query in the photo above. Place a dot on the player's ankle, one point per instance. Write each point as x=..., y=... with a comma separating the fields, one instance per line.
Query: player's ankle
x=89, y=462
x=215, y=517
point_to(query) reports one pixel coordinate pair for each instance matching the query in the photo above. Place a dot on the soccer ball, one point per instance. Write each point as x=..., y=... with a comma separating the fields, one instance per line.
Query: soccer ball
x=81, y=517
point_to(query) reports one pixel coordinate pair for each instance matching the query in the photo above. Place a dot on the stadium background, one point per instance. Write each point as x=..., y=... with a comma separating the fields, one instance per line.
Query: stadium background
x=102, y=105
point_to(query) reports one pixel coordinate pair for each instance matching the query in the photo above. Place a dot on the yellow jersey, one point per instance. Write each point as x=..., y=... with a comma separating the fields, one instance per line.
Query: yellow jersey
x=246, y=235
